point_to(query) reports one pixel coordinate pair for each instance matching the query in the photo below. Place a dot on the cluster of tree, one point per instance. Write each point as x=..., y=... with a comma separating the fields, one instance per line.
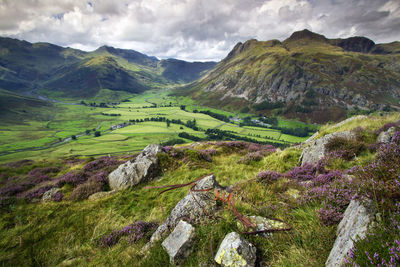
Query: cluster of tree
x=266, y=105
x=111, y=114
x=271, y=120
x=302, y=109
x=93, y=104
x=299, y=131
x=190, y=123
x=217, y=134
x=190, y=136
x=172, y=142
x=218, y=116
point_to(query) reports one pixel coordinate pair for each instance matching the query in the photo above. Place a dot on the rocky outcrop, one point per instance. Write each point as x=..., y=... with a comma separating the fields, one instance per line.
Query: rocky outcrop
x=262, y=224
x=386, y=137
x=357, y=219
x=315, y=149
x=236, y=251
x=100, y=195
x=144, y=168
x=189, y=209
x=48, y=195
x=179, y=243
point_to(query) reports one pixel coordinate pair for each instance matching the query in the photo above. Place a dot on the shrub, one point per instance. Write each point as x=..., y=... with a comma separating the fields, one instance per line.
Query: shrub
x=83, y=191
x=37, y=193
x=269, y=176
x=97, y=133
x=134, y=232
x=380, y=179
x=345, y=148
x=72, y=178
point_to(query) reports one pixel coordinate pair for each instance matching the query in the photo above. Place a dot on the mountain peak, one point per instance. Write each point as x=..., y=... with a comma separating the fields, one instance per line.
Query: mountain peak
x=306, y=35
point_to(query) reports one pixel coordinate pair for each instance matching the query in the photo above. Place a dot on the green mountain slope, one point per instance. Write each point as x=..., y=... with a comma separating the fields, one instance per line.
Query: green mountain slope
x=67, y=72
x=307, y=76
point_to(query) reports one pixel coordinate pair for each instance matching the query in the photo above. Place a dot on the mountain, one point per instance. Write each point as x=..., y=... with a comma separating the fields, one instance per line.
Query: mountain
x=307, y=76
x=68, y=72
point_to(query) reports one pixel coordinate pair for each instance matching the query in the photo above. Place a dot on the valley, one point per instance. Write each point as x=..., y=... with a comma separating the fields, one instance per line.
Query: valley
x=48, y=135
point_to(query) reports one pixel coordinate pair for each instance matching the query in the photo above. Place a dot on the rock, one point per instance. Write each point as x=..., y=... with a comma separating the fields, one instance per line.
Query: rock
x=49, y=194
x=262, y=224
x=357, y=219
x=178, y=243
x=315, y=150
x=386, y=137
x=100, y=195
x=144, y=168
x=235, y=251
x=188, y=209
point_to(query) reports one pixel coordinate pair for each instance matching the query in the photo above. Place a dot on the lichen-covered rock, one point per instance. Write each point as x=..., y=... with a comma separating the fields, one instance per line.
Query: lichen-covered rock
x=386, y=137
x=144, y=168
x=47, y=196
x=179, y=243
x=315, y=149
x=188, y=209
x=236, y=251
x=263, y=224
x=357, y=219
x=100, y=195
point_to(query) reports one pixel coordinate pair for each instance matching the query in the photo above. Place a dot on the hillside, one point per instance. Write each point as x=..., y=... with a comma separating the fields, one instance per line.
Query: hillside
x=66, y=72
x=62, y=212
x=306, y=76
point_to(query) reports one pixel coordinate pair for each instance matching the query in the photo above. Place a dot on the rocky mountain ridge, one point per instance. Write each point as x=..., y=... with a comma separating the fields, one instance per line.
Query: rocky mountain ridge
x=307, y=76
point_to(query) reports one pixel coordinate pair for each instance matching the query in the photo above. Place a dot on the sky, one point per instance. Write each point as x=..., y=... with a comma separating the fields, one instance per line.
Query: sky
x=193, y=30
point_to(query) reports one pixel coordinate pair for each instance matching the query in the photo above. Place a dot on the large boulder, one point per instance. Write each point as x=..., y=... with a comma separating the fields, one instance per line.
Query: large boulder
x=179, y=243
x=315, y=149
x=356, y=221
x=236, y=251
x=386, y=137
x=144, y=168
x=189, y=209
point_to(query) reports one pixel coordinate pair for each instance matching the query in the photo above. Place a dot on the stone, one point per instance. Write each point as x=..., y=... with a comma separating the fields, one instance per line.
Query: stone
x=262, y=225
x=357, y=219
x=188, y=209
x=100, y=195
x=179, y=243
x=49, y=194
x=236, y=251
x=144, y=168
x=386, y=137
x=315, y=149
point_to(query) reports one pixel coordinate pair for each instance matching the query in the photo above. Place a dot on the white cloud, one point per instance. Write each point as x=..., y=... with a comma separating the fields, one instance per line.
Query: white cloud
x=192, y=29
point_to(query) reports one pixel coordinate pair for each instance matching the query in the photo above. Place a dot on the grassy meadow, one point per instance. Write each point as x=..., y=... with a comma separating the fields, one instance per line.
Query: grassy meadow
x=48, y=133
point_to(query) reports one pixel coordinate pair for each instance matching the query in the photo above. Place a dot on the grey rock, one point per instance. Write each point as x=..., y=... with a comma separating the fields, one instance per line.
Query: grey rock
x=386, y=137
x=48, y=194
x=236, y=251
x=315, y=149
x=357, y=219
x=144, y=168
x=179, y=243
x=188, y=209
x=100, y=195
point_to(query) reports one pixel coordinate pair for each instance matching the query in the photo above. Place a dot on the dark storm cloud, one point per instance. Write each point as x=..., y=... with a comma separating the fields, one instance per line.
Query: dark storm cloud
x=192, y=29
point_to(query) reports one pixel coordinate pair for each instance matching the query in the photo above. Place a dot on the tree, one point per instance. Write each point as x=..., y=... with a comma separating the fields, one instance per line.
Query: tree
x=87, y=132
x=73, y=137
x=183, y=107
x=168, y=123
x=97, y=133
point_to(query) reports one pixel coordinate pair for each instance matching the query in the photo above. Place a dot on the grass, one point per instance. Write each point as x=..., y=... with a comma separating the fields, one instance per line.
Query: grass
x=33, y=137
x=72, y=228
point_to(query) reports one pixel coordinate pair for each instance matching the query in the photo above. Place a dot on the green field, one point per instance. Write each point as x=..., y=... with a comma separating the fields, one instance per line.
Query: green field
x=48, y=134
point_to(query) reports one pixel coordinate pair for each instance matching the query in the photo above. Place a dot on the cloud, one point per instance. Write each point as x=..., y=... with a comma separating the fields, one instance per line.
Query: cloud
x=192, y=29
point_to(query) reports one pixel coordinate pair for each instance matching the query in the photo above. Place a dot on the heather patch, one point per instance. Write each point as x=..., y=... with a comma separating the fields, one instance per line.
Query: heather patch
x=345, y=148
x=386, y=127
x=134, y=232
x=268, y=177
x=380, y=179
